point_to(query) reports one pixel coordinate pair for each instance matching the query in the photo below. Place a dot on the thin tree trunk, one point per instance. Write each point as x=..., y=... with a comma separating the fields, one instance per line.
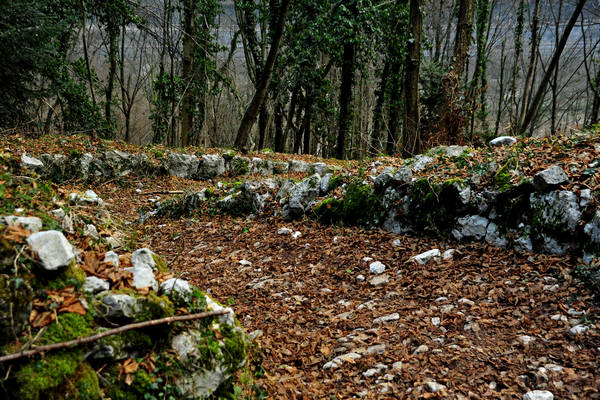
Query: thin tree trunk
x=394, y=108
x=86, y=55
x=516, y=68
x=555, y=77
x=290, y=117
x=241, y=141
x=113, y=29
x=537, y=99
x=306, y=123
x=411, y=136
x=378, y=111
x=279, y=140
x=501, y=89
x=345, y=116
x=263, y=117
x=527, y=87
x=187, y=102
x=464, y=29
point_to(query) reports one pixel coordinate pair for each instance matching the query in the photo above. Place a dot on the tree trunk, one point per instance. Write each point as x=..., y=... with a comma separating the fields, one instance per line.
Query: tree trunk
x=187, y=101
x=394, y=107
x=527, y=87
x=516, y=68
x=113, y=30
x=290, y=117
x=263, y=118
x=537, y=99
x=306, y=124
x=345, y=116
x=411, y=136
x=378, y=110
x=279, y=140
x=501, y=89
x=86, y=55
x=555, y=77
x=241, y=141
x=462, y=41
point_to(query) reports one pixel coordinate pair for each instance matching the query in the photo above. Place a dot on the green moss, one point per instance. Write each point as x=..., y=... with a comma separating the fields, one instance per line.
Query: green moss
x=336, y=181
x=68, y=326
x=360, y=205
x=240, y=166
x=329, y=211
x=153, y=306
x=72, y=275
x=503, y=178
x=161, y=265
x=85, y=385
x=454, y=181
x=38, y=379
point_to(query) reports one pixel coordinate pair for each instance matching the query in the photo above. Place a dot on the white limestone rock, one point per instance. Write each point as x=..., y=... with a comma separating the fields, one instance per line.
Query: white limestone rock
x=110, y=257
x=427, y=257
x=32, y=224
x=30, y=162
x=144, y=258
x=299, y=166
x=212, y=165
x=503, y=141
x=178, y=289
x=551, y=177
x=377, y=267
x=182, y=165
x=143, y=277
x=538, y=395
x=95, y=285
x=119, y=306
x=473, y=227
x=52, y=248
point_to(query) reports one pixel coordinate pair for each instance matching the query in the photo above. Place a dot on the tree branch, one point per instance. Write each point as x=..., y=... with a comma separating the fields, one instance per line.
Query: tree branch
x=111, y=332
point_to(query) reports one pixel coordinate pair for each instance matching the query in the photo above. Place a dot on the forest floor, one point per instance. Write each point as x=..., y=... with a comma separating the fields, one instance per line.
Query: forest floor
x=489, y=323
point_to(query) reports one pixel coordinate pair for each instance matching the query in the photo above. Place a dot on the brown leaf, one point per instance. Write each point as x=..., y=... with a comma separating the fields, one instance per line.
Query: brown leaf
x=76, y=308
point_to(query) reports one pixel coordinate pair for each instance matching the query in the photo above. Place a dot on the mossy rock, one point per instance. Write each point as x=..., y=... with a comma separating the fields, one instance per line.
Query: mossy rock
x=42, y=378
x=72, y=275
x=160, y=264
x=68, y=326
x=239, y=165
x=329, y=211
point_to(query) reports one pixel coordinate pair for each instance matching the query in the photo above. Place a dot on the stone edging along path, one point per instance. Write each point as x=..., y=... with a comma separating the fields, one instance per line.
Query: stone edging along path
x=536, y=215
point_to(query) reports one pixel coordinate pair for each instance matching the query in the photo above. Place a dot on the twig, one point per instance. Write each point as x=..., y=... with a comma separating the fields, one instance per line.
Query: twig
x=163, y=192
x=116, y=331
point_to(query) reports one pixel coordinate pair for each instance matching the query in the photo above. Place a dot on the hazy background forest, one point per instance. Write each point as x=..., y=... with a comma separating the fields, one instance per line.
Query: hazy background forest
x=346, y=78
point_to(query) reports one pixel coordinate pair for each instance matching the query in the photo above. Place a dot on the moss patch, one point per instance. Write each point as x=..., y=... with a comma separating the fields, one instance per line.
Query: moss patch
x=68, y=326
x=38, y=379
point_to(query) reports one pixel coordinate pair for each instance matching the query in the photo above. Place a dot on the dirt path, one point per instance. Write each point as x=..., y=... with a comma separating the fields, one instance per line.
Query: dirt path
x=489, y=324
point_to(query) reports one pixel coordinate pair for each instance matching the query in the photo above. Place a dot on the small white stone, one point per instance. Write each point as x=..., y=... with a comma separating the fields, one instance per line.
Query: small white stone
x=296, y=235
x=503, y=141
x=434, y=387
x=376, y=349
x=435, y=321
x=380, y=280
x=538, y=395
x=377, y=267
x=91, y=231
x=387, y=318
x=245, y=263
x=466, y=301
x=440, y=299
x=398, y=365
x=143, y=258
x=95, y=285
x=53, y=249
x=371, y=372
x=32, y=224
x=110, y=257
x=525, y=340
x=284, y=231
x=448, y=255
x=360, y=278
x=178, y=287
x=336, y=240
x=397, y=243
x=428, y=256
x=143, y=278
x=421, y=349
x=578, y=329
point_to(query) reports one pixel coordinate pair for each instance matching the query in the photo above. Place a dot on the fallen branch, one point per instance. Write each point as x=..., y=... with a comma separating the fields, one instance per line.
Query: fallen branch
x=116, y=331
x=163, y=192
